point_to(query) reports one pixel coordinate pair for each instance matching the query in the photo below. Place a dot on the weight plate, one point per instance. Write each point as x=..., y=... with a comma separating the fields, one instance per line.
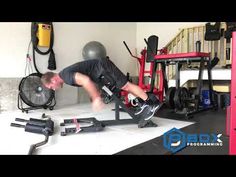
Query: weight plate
x=180, y=97
x=169, y=99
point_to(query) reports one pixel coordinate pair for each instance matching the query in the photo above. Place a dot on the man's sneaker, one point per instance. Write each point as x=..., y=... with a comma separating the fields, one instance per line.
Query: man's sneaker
x=142, y=105
x=140, y=109
x=149, y=111
x=147, y=114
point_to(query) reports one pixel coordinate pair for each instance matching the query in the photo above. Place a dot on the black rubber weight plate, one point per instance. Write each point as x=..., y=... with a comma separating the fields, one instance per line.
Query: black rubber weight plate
x=169, y=100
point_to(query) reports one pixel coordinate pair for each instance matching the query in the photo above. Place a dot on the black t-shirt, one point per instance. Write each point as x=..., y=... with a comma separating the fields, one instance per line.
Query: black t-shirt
x=90, y=68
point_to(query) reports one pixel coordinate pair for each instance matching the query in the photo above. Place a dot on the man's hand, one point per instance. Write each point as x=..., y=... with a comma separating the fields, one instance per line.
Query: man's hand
x=97, y=104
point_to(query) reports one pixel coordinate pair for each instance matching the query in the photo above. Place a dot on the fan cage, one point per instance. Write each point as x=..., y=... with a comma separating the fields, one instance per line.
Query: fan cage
x=22, y=97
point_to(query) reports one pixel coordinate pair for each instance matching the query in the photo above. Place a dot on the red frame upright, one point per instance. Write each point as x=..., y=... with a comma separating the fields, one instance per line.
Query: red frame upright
x=142, y=72
x=146, y=87
x=232, y=137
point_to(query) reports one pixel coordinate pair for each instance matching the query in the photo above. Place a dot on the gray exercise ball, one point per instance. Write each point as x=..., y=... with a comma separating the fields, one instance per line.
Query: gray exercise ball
x=94, y=50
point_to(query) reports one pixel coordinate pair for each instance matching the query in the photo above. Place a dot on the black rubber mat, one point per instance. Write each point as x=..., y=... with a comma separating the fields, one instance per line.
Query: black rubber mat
x=206, y=122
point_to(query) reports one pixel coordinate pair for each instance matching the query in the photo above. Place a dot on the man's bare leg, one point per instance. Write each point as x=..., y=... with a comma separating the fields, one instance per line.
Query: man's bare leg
x=135, y=90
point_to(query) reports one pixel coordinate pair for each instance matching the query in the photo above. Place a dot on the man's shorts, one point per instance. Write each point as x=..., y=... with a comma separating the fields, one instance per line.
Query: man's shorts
x=107, y=67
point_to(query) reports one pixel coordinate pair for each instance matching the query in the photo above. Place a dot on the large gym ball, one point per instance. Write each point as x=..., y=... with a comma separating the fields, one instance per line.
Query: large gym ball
x=94, y=50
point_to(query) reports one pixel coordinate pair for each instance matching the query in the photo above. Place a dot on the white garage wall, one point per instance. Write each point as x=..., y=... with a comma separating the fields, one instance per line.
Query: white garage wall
x=70, y=38
x=69, y=41
x=14, y=39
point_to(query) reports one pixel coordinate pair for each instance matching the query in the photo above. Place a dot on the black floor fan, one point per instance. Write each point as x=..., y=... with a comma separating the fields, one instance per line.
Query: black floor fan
x=34, y=94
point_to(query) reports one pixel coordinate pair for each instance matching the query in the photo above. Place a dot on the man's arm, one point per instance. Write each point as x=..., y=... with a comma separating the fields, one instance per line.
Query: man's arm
x=88, y=85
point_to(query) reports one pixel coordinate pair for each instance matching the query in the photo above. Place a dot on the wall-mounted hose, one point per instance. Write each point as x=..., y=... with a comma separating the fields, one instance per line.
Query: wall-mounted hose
x=35, y=40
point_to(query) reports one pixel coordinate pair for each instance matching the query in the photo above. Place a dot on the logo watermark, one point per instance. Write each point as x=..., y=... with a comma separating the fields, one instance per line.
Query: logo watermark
x=175, y=140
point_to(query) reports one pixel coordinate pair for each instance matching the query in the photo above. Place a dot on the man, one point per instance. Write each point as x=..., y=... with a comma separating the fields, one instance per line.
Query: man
x=86, y=73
